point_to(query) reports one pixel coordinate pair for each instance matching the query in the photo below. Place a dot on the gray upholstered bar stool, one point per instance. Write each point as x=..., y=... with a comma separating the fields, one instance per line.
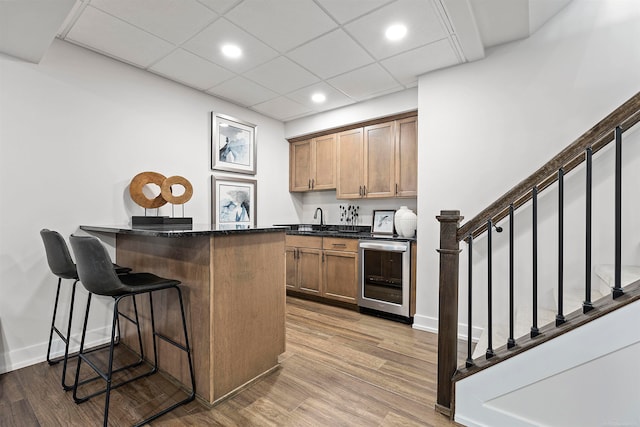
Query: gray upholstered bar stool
x=61, y=265
x=97, y=276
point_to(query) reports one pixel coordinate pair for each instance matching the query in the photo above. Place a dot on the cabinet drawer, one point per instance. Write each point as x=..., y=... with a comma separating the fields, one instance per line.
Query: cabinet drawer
x=303, y=241
x=340, y=244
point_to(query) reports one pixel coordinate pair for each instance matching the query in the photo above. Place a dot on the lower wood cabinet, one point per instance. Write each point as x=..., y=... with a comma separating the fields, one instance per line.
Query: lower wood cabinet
x=326, y=267
x=304, y=264
x=340, y=279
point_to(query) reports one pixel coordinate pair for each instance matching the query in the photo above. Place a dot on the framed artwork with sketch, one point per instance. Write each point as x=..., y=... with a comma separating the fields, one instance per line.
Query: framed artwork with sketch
x=382, y=222
x=233, y=145
x=234, y=203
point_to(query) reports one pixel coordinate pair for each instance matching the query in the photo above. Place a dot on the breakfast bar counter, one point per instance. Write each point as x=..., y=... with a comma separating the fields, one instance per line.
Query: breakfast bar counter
x=233, y=284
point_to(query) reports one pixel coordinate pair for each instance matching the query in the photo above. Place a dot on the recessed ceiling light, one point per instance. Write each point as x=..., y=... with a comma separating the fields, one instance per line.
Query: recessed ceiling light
x=396, y=32
x=318, y=97
x=231, y=51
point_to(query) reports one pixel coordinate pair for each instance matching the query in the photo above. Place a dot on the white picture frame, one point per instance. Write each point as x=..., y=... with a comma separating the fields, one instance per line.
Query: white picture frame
x=233, y=203
x=233, y=144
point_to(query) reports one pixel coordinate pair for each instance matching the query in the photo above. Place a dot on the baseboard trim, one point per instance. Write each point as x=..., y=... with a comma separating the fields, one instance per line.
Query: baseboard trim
x=430, y=324
x=32, y=355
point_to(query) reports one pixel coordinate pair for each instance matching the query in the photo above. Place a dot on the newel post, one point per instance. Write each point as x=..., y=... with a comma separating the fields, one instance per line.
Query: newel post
x=448, y=308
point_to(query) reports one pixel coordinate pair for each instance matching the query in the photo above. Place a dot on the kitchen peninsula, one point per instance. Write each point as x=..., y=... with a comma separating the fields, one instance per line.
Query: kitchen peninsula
x=232, y=282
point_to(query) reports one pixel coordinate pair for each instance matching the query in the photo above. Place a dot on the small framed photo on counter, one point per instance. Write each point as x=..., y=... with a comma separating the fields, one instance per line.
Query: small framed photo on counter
x=382, y=222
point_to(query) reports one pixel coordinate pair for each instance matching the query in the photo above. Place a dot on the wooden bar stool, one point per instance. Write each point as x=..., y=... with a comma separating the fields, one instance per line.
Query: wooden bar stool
x=61, y=265
x=97, y=276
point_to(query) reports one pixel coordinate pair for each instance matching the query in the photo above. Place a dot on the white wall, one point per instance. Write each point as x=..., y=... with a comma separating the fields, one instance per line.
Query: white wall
x=513, y=111
x=74, y=130
x=581, y=383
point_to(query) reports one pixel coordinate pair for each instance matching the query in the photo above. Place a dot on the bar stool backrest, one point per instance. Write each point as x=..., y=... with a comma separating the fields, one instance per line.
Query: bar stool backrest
x=58, y=256
x=95, y=268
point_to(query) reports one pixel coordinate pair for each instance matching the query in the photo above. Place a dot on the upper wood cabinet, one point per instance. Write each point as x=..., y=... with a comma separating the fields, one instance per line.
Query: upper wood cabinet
x=350, y=167
x=406, y=157
x=300, y=166
x=378, y=160
x=312, y=164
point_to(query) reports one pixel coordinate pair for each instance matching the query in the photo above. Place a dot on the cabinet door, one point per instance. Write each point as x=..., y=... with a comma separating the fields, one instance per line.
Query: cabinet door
x=309, y=270
x=341, y=276
x=407, y=157
x=324, y=163
x=300, y=166
x=349, y=170
x=379, y=160
x=291, y=262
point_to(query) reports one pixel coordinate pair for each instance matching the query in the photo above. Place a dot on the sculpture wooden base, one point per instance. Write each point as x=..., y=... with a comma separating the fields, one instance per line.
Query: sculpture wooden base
x=161, y=221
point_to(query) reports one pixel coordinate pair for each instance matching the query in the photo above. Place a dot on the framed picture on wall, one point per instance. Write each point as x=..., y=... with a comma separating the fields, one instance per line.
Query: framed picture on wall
x=233, y=145
x=234, y=203
x=382, y=222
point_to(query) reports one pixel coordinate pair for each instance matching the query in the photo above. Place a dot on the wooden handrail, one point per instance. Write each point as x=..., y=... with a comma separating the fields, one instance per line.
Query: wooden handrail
x=625, y=116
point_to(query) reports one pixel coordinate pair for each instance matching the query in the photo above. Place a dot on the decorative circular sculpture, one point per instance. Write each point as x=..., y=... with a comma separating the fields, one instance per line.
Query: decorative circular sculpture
x=137, y=184
x=166, y=193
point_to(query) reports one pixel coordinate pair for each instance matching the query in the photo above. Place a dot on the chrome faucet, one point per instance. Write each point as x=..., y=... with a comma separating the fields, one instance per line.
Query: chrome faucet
x=315, y=216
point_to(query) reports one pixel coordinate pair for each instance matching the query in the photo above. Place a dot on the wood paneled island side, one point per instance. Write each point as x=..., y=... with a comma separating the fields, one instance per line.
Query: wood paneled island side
x=233, y=285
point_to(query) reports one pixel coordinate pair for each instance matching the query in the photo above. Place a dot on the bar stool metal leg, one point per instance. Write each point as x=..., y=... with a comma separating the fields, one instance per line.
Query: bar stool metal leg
x=186, y=348
x=115, y=341
x=65, y=338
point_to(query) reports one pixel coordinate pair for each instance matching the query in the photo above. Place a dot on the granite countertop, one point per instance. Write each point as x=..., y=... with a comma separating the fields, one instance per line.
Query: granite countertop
x=357, y=232
x=179, y=231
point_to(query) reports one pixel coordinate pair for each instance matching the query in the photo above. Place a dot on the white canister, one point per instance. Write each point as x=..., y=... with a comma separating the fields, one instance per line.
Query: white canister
x=405, y=221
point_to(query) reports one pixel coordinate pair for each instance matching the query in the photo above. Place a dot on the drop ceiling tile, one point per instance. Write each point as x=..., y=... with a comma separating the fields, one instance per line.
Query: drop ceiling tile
x=420, y=17
x=27, y=29
x=282, y=109
x=407, y=66
x=209, y=41
x=366, y=82
x=77, y=8
x=190, y=69
x=116, y=38
x=172, y=20
x=281, y=75
x=344, y=11
x=331, y=54
x=289, y=23
x=242, y=91
x=335, y=98
x=219, y=6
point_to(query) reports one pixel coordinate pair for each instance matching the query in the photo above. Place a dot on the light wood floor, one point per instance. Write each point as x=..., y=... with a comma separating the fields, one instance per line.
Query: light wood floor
x=341, y=368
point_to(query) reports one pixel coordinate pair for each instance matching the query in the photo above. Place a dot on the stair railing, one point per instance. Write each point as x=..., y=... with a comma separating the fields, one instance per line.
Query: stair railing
x=609, y=130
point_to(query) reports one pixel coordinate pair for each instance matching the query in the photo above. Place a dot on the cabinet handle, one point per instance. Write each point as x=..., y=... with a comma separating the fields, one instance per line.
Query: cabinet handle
x=364, y=190
x=396, y=188
x=322, y=256
x=339, y=245
x=360, y=190
x=309, y=185
x=313, y=183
